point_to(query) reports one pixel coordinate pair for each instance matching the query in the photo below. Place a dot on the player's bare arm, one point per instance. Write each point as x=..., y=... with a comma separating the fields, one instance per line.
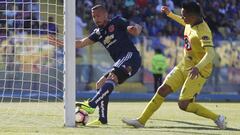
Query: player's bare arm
x=79, y=43
x=84, y=42
x=173, y=16
x=207, y=58
x=54, y=41
x=134, y=29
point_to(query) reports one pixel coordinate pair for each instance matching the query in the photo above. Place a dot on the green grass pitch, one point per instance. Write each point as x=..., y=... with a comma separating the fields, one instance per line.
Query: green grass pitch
x=47, y=119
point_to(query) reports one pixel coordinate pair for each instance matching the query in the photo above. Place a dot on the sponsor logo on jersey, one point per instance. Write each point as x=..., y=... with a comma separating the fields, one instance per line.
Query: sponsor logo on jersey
x=108, y=39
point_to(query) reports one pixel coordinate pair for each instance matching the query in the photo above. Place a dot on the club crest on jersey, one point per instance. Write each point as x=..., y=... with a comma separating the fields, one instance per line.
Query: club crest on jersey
x=187, y=44
x=111, y=28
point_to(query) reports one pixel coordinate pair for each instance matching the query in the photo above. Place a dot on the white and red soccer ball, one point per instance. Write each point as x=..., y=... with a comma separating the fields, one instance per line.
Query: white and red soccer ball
x=81, y=117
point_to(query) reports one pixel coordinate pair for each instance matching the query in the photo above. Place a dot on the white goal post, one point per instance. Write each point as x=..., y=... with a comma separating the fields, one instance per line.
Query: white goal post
x=69, y=63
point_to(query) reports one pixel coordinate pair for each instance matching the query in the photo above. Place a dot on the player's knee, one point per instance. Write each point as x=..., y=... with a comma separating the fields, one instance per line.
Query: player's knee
x=183, y=104
x=99, y=85
x=164, y=90
x=100, y=82
x=113, y=77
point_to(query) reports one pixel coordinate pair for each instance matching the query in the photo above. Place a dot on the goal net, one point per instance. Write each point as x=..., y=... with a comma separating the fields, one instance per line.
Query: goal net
x=32, y=72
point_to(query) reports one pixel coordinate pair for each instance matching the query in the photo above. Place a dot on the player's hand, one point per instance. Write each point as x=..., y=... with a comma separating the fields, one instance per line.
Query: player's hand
x=165, y=10
x=100, y=82
x=132, y=29
x=55, y=42
x=194, y=72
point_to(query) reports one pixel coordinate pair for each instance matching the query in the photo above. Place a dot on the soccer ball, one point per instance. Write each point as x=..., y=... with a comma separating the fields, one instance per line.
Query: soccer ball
x=81, y=117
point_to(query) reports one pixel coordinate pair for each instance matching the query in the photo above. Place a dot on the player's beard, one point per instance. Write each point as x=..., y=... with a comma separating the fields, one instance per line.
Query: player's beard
x=101, y=25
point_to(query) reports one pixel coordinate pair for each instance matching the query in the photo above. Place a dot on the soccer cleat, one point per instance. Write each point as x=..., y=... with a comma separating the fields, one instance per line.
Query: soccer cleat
x=221, y=122
x=85, y=106
x=95, y=123
x=133, y=122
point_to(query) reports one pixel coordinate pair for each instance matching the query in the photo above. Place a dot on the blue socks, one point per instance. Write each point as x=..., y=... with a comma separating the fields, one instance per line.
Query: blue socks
x=101, y=100
x=102, y=94
x=103, y=107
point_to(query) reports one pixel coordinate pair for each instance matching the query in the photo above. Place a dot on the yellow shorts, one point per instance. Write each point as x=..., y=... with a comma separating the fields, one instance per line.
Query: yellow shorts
x=178, y=78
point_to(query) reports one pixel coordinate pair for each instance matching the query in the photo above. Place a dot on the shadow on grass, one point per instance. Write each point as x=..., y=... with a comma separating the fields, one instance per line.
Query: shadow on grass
x=183, y=132
x=202, y=126
x=188, y=128
x=169, y=130
x=185, y=122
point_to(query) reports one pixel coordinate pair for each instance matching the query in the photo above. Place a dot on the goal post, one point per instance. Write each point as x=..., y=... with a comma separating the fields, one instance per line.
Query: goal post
x=69, y=63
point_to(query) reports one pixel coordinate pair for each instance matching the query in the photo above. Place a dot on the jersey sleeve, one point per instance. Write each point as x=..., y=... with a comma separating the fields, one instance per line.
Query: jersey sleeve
x=176, y=18
x=95, y=35
x=205, y=37
x=122, y=22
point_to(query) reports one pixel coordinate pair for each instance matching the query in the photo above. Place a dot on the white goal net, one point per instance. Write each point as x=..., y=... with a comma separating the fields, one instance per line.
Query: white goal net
x=32, y=73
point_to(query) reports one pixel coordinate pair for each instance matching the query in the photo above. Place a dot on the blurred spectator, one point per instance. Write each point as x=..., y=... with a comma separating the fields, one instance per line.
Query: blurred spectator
x=159, y=6
x=36, y=9
x=170, y=4
x=3, y=34
x=52, y=27
x=129, y=3
x=214, y=79
x=142, y=3
x=159, y=67
x=80, y=25
x=35, y=27
x=43, y=29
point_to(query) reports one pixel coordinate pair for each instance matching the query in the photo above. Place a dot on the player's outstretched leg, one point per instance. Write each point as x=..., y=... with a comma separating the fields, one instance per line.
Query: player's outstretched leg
x=152, y=106
x=105, y=91
x=200, y=110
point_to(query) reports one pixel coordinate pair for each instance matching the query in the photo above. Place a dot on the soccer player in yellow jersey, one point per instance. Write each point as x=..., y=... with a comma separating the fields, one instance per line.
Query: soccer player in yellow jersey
x=191, y=73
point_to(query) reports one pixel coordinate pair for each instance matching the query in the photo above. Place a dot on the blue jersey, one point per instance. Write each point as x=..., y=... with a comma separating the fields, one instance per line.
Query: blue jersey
x=114, y=37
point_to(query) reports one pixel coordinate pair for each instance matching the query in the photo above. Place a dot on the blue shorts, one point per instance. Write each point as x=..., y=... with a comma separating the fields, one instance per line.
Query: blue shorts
x=126, y=66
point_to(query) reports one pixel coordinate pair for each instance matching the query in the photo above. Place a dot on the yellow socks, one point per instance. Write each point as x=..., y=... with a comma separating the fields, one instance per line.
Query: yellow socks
x=201, y=111
x=152, y=106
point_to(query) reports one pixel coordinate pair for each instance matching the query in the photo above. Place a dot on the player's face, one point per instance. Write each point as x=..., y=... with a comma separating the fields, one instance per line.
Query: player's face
x=99, y=17
x=186, y=16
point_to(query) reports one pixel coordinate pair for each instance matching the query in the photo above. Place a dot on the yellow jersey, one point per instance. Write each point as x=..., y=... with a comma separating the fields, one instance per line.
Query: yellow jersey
x=195, y=39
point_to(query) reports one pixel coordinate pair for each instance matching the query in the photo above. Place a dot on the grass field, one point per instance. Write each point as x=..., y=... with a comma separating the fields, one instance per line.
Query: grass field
x=47, y=119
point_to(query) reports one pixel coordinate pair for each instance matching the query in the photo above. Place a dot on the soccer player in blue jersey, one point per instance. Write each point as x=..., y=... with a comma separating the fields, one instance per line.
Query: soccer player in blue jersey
x=113, y=34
